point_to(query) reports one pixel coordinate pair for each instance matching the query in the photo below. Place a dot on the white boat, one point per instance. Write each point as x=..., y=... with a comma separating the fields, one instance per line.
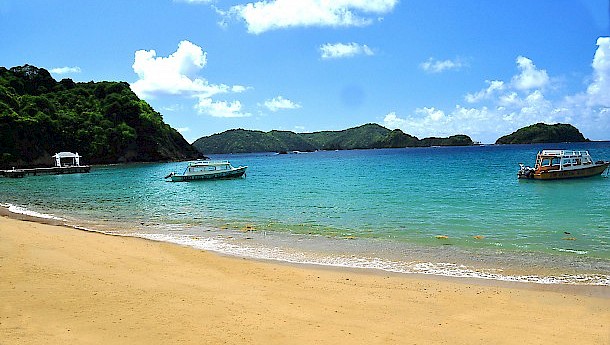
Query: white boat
x=562, y=164
x=204, y=170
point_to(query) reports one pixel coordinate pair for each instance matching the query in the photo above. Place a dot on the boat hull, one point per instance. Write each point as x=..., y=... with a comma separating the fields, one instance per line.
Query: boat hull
x=596, y=169
x=234, y=173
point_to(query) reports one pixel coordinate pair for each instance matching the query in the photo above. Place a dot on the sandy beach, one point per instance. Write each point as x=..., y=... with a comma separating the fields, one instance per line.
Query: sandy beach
x=65, y=286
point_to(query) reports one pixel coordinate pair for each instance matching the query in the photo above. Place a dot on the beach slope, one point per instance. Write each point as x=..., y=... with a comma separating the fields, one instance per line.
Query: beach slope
x=60, y=286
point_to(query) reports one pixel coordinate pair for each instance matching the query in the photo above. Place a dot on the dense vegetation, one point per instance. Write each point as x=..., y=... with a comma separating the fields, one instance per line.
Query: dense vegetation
x=105, y=122
x=543, y=133
x=362, y=137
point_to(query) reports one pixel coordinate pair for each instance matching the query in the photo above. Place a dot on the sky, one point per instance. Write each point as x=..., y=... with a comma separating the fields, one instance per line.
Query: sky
x=430, y=68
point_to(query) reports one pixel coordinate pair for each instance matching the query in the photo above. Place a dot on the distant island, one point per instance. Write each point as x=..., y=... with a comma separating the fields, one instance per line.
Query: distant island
x=105, y=122
x=368, y=136
x=543, y=133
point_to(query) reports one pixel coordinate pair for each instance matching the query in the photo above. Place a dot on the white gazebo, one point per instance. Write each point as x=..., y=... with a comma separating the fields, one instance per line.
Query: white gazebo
x=74, y=159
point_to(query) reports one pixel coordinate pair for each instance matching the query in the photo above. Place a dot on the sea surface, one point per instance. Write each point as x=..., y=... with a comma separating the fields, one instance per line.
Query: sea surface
x=452, y=211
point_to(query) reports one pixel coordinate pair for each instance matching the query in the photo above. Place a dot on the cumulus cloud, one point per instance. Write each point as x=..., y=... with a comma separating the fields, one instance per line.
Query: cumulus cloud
x=65, y=70
x=494, y=86
x=220, y=108
x=280, y=103
x=263, y=16
x=599, y=90
x=177, y=74
x=530, y=77
x=433, y=65
x=174, y=74
x=343, y=50
x=504, y=106
x=429, y=121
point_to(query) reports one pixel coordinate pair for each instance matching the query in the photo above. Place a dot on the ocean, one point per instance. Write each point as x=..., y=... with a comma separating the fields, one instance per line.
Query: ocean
x=451, y=211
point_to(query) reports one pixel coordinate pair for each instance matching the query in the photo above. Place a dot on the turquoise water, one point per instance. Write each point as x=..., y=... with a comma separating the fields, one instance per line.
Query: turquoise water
x=381, y=209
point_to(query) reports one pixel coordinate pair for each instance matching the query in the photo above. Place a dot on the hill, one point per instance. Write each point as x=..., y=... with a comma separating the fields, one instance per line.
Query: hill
x=543, y=133
x=362, y=137
x=105, y=122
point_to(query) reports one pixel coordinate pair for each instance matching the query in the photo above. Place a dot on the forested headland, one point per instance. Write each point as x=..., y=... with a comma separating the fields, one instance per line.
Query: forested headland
x=105, y=122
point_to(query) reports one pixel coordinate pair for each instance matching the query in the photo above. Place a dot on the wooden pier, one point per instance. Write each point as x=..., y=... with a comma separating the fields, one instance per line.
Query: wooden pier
x=45, y=171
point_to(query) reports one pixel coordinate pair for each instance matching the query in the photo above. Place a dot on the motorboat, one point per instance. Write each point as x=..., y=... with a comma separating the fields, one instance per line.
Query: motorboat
x=562, y=164
x=204, y=170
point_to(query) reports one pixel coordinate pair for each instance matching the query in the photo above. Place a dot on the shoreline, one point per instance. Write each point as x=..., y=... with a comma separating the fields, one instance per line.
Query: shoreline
x=238, y=245
x=58, y=285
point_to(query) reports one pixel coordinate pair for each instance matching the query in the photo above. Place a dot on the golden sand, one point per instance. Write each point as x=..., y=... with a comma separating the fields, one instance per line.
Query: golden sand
x=64, y=286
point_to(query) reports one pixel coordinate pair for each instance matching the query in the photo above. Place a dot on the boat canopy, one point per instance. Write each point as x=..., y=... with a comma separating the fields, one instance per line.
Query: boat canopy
x=564, y=153
x=216, y=162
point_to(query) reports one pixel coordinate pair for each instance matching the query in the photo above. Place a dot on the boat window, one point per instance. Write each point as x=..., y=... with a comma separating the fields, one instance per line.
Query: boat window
x=546, y=162
x=555, y=161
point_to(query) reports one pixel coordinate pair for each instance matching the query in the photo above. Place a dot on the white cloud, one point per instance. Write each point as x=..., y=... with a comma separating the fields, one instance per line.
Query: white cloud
x=65, y=70
x=177, y=75
x=263, y=16
x=483, y=123
x=343, y=50
x=279, y=103
x=494, y=86
x=174, y=74
x=206, y=106
x=599, y=90
x=530, y=77
x=433, y=114
x=437, y=66
x=428, y=122
x=239, y=88
x=183, y=130
x=503, y=107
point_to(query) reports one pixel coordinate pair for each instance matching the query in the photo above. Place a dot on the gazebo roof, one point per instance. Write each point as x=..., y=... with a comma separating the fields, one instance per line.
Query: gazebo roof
x=66, y=155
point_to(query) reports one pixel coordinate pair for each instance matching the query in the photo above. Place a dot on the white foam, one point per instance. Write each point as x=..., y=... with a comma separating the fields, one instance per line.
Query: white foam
x=221, y=245
x=579, y=252
x=25, y=211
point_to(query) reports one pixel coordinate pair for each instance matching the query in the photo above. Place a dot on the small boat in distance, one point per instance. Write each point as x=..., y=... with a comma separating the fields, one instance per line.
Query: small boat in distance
x=204, y=170
x=562, y=164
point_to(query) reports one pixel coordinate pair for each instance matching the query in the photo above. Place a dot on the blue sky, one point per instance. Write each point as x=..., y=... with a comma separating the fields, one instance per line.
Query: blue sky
x=430, y=68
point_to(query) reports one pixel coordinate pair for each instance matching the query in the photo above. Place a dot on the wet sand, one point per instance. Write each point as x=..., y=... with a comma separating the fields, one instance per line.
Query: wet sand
x=60, y=285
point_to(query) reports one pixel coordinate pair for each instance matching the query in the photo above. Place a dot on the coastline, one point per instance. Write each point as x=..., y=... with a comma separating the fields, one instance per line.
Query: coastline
x=345, y=253
x=60, y=285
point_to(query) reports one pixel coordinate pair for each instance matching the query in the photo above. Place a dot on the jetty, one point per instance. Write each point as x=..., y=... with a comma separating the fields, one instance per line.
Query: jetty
x=65, y=163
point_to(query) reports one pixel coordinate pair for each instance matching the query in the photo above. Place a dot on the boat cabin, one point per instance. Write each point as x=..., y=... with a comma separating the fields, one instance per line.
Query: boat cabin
x=562, y=160
x=208, y=166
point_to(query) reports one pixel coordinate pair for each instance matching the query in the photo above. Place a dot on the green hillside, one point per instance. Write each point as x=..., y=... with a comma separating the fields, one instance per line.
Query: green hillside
x=362, y=137
x=105, y=122
x=543, y=133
